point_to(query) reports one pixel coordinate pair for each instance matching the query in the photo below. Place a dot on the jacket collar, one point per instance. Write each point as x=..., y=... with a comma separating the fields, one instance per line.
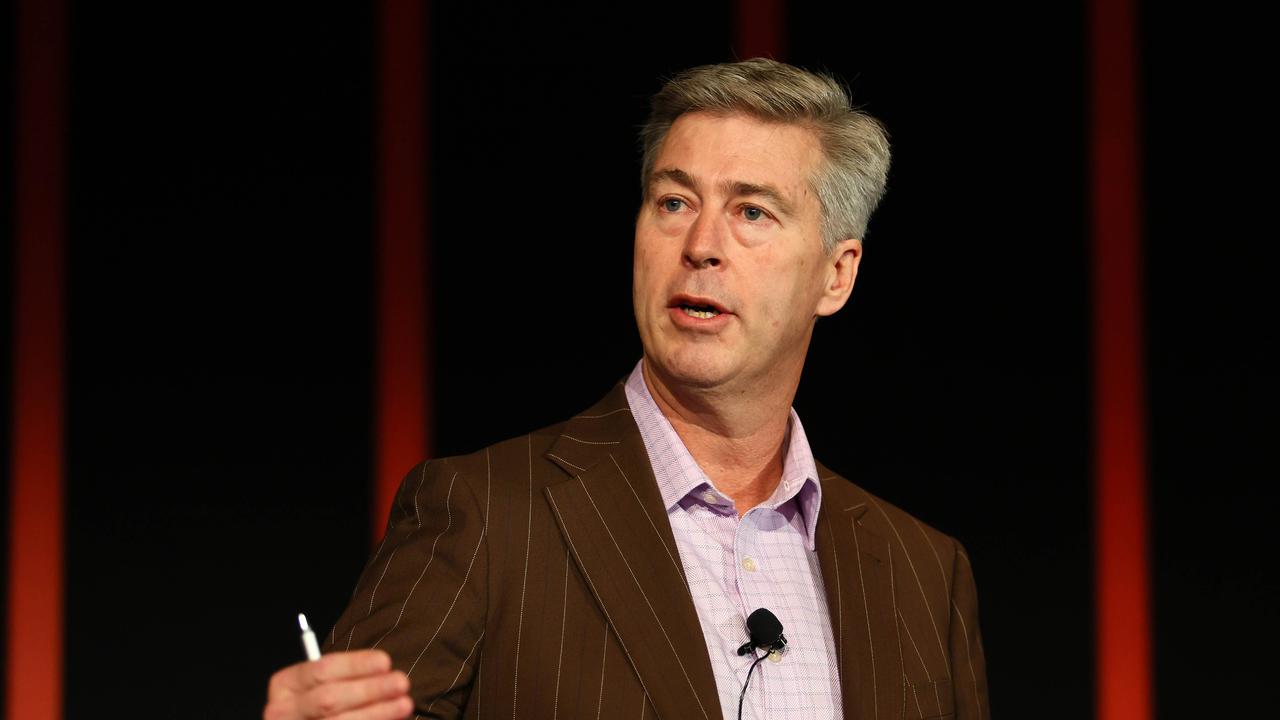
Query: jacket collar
x=857, y=572
x=613, y=519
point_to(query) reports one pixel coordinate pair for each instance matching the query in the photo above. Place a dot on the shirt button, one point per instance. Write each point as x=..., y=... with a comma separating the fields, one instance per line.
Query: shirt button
x=749, y=564
x=710, y=497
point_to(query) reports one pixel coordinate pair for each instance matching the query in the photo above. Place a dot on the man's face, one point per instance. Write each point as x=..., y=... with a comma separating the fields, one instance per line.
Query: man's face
x=730, y=270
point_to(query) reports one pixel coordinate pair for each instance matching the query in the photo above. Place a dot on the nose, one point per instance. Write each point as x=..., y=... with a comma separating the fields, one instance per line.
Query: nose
x=704, y=243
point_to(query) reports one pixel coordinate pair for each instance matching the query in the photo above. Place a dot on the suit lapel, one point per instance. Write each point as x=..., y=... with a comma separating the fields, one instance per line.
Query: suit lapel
x=857, y=571
x=614, y=522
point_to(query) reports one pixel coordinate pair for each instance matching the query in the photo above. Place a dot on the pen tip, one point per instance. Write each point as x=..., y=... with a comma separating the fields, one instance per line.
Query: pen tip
x=302, y=622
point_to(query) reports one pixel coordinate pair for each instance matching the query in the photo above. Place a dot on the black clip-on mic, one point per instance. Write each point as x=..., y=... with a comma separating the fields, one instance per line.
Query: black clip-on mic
x=765, y=631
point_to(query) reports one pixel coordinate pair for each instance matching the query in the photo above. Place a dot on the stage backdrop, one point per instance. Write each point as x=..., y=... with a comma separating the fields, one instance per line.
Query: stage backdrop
x=222, y=215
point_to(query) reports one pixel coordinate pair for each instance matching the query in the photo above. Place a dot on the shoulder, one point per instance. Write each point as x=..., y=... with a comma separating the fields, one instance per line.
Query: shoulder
x=893, y=525
x=505, y=464
x=547, y=454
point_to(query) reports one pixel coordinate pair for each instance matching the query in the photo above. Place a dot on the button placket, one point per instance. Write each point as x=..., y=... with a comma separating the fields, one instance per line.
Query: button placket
x=746, y=553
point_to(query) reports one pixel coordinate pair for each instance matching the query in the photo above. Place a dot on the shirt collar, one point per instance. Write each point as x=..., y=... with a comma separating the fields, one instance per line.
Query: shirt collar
x=678, y=474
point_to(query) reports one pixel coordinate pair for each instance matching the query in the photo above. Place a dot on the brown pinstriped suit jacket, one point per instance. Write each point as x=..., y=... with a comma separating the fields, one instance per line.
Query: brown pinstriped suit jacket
x=539, y=578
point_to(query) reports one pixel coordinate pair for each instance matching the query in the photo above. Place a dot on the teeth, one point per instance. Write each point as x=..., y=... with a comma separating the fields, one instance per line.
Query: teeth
x=704, y=314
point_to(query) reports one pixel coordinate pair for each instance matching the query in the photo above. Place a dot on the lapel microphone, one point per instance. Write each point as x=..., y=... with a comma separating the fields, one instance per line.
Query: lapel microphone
x=765, y=630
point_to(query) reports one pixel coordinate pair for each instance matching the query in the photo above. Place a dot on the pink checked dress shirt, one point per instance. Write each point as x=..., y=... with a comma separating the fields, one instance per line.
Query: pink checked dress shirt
x=765, y=559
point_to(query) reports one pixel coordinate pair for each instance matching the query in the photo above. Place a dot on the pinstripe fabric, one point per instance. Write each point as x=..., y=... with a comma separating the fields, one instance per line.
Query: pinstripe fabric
x=540, y=578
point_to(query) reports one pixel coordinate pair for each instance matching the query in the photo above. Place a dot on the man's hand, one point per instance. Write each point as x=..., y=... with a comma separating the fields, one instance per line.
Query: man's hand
x=357, y=685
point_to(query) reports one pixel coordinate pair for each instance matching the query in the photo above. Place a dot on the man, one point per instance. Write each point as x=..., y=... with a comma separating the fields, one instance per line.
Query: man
x=605, y=567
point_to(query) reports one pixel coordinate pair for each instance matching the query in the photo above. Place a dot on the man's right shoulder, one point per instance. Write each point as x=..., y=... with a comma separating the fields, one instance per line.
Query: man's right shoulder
x=502, y=462
x=531, y=461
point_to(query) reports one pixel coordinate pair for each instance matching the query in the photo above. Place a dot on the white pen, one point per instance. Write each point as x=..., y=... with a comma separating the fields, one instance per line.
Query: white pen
x=308, y=639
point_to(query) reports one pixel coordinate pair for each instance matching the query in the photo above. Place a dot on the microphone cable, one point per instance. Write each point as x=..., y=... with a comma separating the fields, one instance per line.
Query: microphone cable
x=743, y=695
x=765, y=631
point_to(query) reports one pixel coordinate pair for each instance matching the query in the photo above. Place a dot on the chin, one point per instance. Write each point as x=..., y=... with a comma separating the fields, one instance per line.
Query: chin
x=694, y=367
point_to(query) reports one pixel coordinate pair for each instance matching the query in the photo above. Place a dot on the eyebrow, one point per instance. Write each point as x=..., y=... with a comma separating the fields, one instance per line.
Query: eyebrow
x=737, y=188
x=733, y=188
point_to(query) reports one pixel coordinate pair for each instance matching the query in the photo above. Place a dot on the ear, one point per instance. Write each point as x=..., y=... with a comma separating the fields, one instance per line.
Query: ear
x=841, y=271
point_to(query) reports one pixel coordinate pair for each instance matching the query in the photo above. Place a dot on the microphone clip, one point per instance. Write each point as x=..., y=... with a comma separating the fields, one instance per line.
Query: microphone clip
x=776, y=646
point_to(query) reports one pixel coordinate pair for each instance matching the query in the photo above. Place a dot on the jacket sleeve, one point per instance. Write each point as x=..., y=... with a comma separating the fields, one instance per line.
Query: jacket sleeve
x=968, y=664
x=423, y=595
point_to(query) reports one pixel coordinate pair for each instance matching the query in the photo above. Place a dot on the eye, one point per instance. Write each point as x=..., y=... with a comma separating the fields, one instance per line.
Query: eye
x=753, y=213
x=672, y=205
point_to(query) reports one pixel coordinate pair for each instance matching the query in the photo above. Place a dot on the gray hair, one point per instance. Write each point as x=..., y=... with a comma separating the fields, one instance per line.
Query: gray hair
x=850, y=182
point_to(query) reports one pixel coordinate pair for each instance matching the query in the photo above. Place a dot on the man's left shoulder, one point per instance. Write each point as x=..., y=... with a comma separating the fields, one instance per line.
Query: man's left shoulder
x=884, y=519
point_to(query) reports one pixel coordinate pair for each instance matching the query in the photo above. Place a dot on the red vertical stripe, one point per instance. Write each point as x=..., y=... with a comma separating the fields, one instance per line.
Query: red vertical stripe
x=760, y=29
x=403, y=394
x=1122, y=574
x=34, y=682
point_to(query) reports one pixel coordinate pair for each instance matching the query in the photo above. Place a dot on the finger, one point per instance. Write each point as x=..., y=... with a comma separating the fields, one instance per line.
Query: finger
x=303, y=676
x=342, y=666
x=387, y=710
x=285, y=682
x=281, y=708
x=333, y=698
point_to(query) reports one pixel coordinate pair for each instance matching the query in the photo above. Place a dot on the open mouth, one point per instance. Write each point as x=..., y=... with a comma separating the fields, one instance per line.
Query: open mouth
x=698, y=307
x=699, y=311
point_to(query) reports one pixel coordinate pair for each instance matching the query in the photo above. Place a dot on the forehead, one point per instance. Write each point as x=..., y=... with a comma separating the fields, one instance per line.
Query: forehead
x=740, y=148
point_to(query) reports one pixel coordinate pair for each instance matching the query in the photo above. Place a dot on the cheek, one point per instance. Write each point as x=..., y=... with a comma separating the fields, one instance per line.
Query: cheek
x=790, y=295
x=645, y=280
x=652, y=258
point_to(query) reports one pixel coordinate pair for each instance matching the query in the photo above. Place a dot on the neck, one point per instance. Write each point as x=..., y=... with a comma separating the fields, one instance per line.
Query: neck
x=738, y=438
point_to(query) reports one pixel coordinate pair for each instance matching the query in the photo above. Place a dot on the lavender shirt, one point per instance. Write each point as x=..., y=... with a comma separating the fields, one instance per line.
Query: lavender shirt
x=765, y=559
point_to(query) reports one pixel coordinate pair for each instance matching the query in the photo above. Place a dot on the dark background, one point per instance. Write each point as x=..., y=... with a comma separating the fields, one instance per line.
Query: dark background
x=220, y=245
